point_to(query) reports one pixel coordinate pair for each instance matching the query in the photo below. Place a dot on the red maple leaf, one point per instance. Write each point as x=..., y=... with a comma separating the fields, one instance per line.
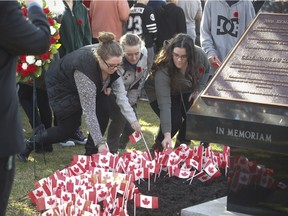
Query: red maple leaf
x=211, y=169
x=150, y=166
x=104, y=160
x=102, y=194
x=137, y=135
x=146, y=201
x=183, y=156
x=205, y=177
x=79, y=190
x=139, y=173
x=99, y=187
x=66, y=198
x=184, y=173
x=194, y=163
x=132, y=167
x=82, y=160
x=79, y=202
x=50, y=201
x=172, y=162
x=76, y=169
x=39, y=193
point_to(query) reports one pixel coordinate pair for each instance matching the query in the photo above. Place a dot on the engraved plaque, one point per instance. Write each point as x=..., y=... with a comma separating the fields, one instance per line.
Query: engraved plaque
x=256, y=70
x=245, y=106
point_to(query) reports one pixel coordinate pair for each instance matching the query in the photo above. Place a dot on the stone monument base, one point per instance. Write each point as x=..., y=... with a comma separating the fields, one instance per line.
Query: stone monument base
x=214, y=207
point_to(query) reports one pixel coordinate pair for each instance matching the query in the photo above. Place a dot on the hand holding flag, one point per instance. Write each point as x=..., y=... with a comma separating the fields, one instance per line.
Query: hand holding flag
x=135, y=137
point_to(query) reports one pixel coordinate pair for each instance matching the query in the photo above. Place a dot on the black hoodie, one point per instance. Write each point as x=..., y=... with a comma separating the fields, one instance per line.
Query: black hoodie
x=170, y=21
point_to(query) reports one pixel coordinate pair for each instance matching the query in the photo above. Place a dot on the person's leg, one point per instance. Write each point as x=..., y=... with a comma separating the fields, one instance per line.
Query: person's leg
x=102, y=113
x=7, y=170
x=116, y=126
x=56, y=134
x=176, y=120
x=25, y=94
x=44, y=108
x=185, y=106
x=45, y=114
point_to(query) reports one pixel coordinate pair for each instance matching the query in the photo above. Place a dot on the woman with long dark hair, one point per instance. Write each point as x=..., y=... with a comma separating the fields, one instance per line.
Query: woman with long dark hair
x=177, y=76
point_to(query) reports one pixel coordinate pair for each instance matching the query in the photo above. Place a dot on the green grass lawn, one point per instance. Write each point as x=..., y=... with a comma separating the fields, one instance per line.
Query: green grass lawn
x=29, y=173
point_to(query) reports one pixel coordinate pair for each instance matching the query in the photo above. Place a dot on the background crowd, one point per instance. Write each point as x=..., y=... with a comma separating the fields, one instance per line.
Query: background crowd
x=112, y=54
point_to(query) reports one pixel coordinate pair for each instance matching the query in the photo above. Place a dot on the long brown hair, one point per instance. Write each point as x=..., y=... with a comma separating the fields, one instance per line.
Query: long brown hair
x=165, y=59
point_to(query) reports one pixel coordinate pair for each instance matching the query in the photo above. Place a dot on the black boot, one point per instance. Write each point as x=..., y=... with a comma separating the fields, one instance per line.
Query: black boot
x=90, y=148
x=23, y=156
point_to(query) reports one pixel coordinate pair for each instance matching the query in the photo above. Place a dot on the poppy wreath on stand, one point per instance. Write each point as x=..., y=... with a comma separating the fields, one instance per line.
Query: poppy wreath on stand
x=30, y=67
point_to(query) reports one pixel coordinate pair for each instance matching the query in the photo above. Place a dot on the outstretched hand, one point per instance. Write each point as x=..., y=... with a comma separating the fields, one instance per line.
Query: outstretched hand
x=136, y=126
x=102, y=148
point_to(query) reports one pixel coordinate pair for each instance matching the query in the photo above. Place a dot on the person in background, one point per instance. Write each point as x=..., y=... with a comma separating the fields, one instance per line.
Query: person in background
x=177, y=77
x=193, y=14
x=133, y=72
x=80, y=83
x=19, y=36
x=108, y=16
x=131, y=3
x=155, y=4
x=75, y=33
x=142, y=22
x=222, y=24
x=257, y=4
x=170, y=20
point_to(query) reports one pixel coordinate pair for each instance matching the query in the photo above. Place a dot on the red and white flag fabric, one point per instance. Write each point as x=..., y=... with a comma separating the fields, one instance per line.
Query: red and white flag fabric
x=48, y=202
x=39, y=192
x=135, y=137
x=144, y=201
x=184, y=174
x=210, y=168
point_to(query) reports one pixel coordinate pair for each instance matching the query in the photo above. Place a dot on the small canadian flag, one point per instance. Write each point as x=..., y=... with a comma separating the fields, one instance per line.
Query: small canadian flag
x=146, y=201
x=135, y=137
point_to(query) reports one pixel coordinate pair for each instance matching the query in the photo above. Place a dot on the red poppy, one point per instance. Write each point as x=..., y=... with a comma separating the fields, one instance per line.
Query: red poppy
x=32, y=68
x=46, y=10
x=25, y=11
x=79, y=21
x=139, y=69
x=45, y=56
x=52, y=40
x=201, y=70
x=236, y=14
x=51, y=21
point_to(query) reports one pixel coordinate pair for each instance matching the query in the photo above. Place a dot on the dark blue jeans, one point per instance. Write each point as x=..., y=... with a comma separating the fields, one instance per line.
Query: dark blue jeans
x=7, y=173
x=179, y=108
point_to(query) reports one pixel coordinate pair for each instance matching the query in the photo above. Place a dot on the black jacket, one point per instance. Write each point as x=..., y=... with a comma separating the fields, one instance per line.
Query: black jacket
x=170, y=21
x=18, y=37
x=61, y=87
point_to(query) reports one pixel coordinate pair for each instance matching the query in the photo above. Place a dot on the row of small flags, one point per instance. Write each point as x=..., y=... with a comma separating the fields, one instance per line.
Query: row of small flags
x=244, y=173
x=102, y=184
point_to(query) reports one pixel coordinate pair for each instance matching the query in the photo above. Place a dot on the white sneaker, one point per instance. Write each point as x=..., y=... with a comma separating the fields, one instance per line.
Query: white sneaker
x=67, y=143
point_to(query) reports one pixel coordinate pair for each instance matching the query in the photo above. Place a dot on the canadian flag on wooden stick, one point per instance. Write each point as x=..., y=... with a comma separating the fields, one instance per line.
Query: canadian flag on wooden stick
x=146, y=201
x=135, y=137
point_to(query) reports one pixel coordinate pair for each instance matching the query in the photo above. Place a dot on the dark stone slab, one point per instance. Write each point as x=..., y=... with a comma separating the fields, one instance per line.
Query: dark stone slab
x=245, y=106
x=256, y=70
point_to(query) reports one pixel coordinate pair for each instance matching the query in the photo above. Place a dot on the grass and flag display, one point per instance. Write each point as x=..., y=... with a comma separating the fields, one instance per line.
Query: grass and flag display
x=102, y=184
